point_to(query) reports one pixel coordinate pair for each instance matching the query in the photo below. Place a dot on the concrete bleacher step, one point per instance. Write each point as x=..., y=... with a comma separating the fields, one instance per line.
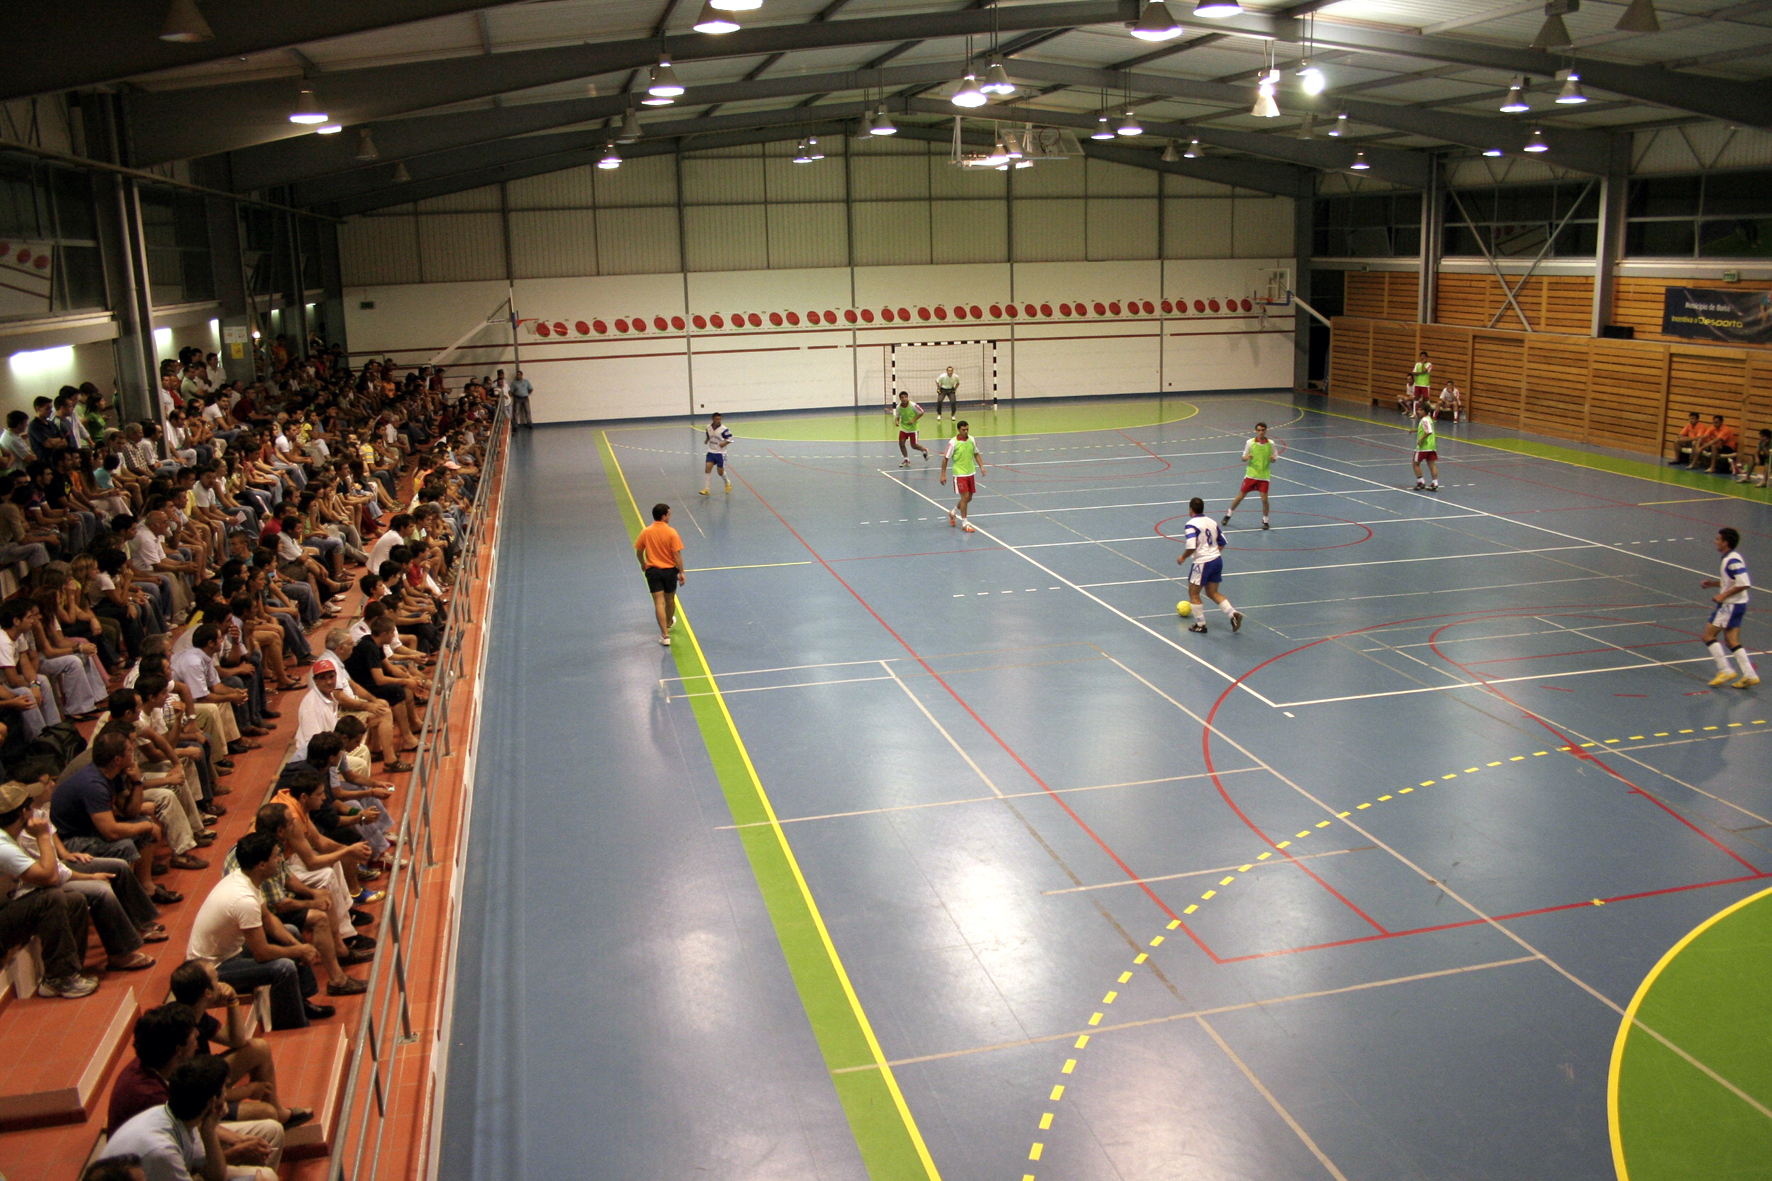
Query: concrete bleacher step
x=59, y=1054
x=311, y=1073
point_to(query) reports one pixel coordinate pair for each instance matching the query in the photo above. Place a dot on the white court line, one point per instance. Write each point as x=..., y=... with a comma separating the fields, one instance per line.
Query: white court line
x=1200, y=873
x=1385, y=562
x=1550, y=676
x=1276, y=529
x=1448, y=590
x=1141, y=626
x=771, y=688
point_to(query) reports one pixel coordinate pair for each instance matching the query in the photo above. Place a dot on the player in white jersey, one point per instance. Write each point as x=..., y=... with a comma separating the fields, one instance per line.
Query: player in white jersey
x=1205, y=541
x=716, y=438
x=1730, y=608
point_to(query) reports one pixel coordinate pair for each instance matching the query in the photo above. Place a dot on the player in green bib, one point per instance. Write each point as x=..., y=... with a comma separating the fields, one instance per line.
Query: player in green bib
x=906, y=413
x=1258, y=457
x=1425, y=451
x=1420, y=387
x=962, y=452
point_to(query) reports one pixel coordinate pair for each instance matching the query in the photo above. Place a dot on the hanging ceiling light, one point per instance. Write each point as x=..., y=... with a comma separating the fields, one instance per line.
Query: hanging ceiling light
x=882, y=124
x=1102, y=129
x=801, y=154
x=1156, y=24
x=184, y=22
x=1265, y=106
x=1012, y=145
x=1310, y=79
x=1307, y=127
x=1493, y=152
x=1340, y=128
x=738, y=5
x=1218, y=8
x=1553, y=34
x=812, y=148
x=712, y=20
x=1571, y=94
x=1536, y=143
x=307, y=109
x=611, y=158
x=401, y=176
x=996, y=79
x=1638, y=18
x=1170, y=155
x=366, y=149
x=1129, y=125
x=1193, y=150
x=657, y=100
x=328, y=129
x=663, y=83
x=969, y=94
x=1359, y=164
x=630, y=128
x=1516, y=98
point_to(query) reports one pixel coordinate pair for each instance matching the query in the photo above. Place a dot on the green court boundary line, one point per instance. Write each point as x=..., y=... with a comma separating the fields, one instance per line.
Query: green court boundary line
x=1616, y=1068
x=892, y=1147
x=1193, y=411
x=1640, y=469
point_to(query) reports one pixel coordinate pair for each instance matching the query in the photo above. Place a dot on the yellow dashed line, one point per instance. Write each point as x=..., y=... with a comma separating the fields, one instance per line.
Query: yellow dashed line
x=1070, y=1064
x=1471, y=770
x=1174, y=923
x=1405, y=791
x=1045, y=1121
x=1125, y=976
x=1192, y=907
x=1140, y=958
x=1282, y=844
x=1344, y=815
x=1157, y=941
x=1357, y=807
x=1208, y=894
x=1245, y=868
x=1264, y=856
x=1322, y=824
x=1095, y=1019
x=1057, y=1093
x=1226, y=881
x=1428, y=782
x=1305, y=833
x=1383, y=798
x=1109, y=998
x=1496, y=763
x=1036, y=1150
x=1082, y=1041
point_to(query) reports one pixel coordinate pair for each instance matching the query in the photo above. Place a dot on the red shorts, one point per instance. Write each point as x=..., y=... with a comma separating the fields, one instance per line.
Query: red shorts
x=1424, y=456
x=907, y=436
x=1250, y=485
x=964, y=485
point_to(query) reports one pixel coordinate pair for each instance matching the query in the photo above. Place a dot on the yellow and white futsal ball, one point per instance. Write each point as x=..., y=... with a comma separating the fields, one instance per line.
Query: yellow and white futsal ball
x=1184, y=608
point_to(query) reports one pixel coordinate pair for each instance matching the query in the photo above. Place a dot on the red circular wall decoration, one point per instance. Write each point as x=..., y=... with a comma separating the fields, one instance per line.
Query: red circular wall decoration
x=1011, y=311
x=904, y=314
x=582, y=328
x=830, y=317
x=718, y=321
x=996, y=311
x=1064, y=309
x=755, y=320
x=639, y=324
x=660, y=323
x=867, y=315
x=1149, y=308
x=978, y=313
x=543, y=330
x=1199, y=305
x=849, y=315
x=1168, y=307
x=922, y=313
x=959, y=312
x=621, y=325
x=1212, y=304
x=1248, y=305
x=24, y=255
x=812, y=317
x=599, y=326
x=887, y=315
x=1045, y=309
x=699, y=320
x=738, y=319
x=1113, y=308
x=559, y=328
x=941, y=313
x=775, y=319
x=1099, y=309
x=677, y=323
x=794, y=319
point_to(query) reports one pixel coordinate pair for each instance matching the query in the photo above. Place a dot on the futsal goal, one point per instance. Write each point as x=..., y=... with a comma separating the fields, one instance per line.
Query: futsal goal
x=914, y=368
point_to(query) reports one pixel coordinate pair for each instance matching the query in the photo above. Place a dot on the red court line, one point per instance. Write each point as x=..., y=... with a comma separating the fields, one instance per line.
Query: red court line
x=1582, y=652
x=933, y=553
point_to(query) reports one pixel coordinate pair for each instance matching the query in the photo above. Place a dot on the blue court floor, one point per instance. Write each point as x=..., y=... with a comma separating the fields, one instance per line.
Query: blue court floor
x=1358, y=892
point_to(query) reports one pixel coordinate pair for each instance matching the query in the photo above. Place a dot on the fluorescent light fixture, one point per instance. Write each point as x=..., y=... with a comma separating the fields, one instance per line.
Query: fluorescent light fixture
x=801, y=154
x=712, y=20
x=996, y=79
x=307, y=109
x=737, y=5
x=657, y=100
x=1493, y=152
x=1156, y=24
x=328, y=129
x=1193, y=150
x=366, y=149
x=1311, y=80
x=1516, y=98
x=663, y=83
x=611, y=158
x=1359, y=164
x=401, y=176
x=630, y=128
x=883, y=124
x=162, y=340
x=1024, y=163
x=1571, y=94
x=1553, y=34
x=969, y=94
x=1218, y=8
x=185, y=23
x=1170, y=155
x=1340, y=128
x=37, y=361
x=1638, y=18
x=1102, y=130
x=1265, y=106
x=812, y=148
x=1536, y=143
x=1129, y=125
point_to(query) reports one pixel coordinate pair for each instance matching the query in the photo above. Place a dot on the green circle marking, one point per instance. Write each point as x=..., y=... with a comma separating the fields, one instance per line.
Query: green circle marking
x=1711, y=996
x=1044, y=418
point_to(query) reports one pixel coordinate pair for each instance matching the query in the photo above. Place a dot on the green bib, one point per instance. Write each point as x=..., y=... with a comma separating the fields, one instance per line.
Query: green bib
x=907, y=418
x=1261, y=461
x=965, y=457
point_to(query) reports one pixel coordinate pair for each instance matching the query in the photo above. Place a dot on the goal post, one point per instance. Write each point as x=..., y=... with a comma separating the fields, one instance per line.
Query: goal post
x=913, y=368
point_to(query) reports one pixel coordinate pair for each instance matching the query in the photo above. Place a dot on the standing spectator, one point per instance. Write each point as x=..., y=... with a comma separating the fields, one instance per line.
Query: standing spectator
x=520, y=391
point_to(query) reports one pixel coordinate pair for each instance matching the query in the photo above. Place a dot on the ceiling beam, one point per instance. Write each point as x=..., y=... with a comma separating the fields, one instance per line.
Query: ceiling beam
x=442, y=186
x=180, y=124
x=76, y=43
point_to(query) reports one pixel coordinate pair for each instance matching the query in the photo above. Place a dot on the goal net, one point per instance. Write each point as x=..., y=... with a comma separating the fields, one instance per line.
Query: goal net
x=914, y=368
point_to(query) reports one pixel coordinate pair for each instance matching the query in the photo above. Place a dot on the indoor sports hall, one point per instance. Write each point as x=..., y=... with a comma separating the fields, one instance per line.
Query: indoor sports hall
x=886, y=590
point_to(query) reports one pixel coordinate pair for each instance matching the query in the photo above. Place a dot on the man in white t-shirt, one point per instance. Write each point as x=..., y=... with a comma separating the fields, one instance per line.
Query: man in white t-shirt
x=947, y=386
x=1205, y=542
x=715, y=439
x=247, y=945
x=398, y=530
x=24, y=681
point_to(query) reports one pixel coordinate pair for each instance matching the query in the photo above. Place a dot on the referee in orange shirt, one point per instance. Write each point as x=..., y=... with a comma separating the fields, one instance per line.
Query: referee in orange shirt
x=660, y=550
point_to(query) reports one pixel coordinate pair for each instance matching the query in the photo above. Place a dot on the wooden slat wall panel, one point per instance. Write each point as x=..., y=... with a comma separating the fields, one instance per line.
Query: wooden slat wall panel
x=1497, y=363
x=1638, y=303
x=1449, y=349
x=1711, y=381
x=1757, y=410
x=1364, y=295
x=1625, y=388
x=1350, y=359
x=1402, y=289
x=1568, y=305
x=1556, y=387
x=1393, y=358
x=1469, y=300
x=1553, y=303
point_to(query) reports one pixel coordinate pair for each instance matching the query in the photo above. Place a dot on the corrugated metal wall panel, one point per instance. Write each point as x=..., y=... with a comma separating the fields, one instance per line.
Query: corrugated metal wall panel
x=1663, y=150
x=650, y=180
x=1049, y=178
x=724, y=180
x=478, y=200
x=948, y=180
x=726, y=237
x=821, y=180
x=1749, y=147
x=379, y=250
x=888, y=145
x=879, y=178
x=1103, y=178
x=891, y=233
x=1189, y=186
x=456, y=247
x=637, y=241
x=1121, y=227
x=1262, y=228
x=1197, y=227
x=1049, y=230
x=969, y=231
x=553, y=243
x=570, y=188
x=808, y=235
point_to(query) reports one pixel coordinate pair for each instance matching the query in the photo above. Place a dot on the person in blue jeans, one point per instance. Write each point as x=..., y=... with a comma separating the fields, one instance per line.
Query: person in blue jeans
x=236, y=933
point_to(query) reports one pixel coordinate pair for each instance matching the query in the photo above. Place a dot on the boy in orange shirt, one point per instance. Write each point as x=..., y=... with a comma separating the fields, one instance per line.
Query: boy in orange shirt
x=1720, y=446
x=1691, y=440
x=660, y=550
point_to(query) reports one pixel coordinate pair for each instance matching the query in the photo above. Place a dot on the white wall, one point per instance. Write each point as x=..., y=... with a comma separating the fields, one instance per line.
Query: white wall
x=27, y=375
x=596, y=370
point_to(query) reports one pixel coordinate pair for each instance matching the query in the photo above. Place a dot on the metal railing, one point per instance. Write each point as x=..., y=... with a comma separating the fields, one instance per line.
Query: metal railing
x=367, y=1106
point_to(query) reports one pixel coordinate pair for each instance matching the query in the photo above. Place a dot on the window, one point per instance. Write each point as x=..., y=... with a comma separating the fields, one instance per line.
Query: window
x=1714, y=215
x=1510, y=221
x=175, y=229
x=49, y=223
x=1376, y=225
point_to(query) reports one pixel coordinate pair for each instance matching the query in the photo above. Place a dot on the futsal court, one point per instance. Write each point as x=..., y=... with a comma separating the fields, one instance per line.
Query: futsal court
x=929, y=853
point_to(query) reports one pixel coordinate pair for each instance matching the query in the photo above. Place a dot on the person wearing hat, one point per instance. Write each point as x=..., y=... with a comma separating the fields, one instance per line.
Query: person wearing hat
x=33, y=904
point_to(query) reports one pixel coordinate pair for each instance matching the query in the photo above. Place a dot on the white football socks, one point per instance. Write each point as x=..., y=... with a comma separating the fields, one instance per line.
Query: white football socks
x=1719, y=654
x=1225, y=606
x=1745, y=664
